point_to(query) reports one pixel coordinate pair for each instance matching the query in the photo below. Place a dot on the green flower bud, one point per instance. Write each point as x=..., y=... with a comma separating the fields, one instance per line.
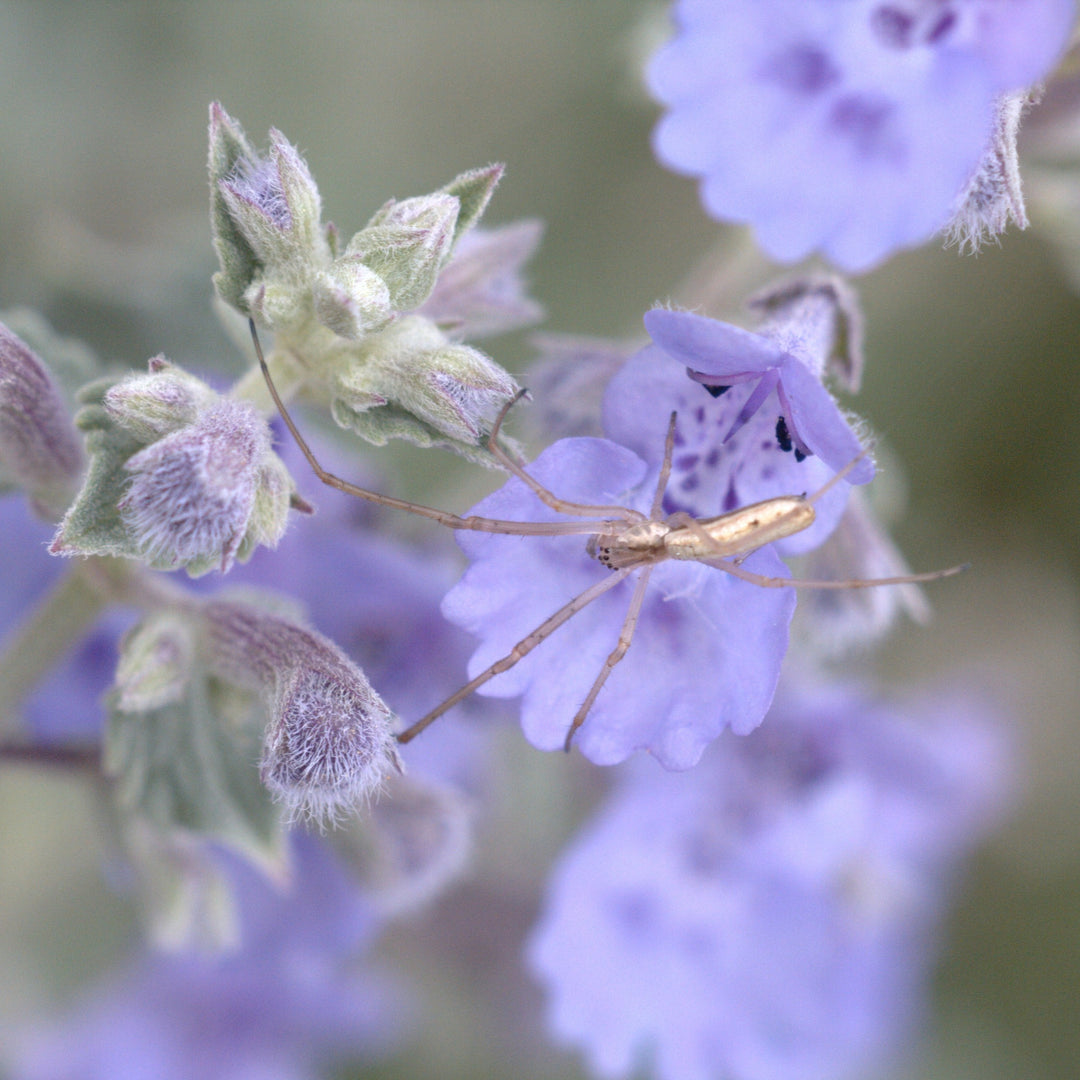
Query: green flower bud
x=154, y=405
x=407, y=243
x=351, y=299
x=453, y=390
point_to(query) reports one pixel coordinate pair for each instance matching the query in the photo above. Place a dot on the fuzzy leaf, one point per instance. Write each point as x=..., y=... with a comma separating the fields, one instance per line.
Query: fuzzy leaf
x=189, y=766
x=93, y=524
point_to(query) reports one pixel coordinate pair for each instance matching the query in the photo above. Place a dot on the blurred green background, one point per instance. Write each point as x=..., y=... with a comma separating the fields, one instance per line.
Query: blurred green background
x=973, y=382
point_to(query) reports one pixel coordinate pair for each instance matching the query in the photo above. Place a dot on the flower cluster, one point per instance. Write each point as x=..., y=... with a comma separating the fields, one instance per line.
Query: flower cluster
x=757, y=897
x=374, y=325
x=179, y=475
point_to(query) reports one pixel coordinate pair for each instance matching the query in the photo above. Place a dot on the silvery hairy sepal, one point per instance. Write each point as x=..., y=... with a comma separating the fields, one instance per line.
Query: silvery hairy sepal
x=179, y=476
x=329, y=745
x=39, y=447
x=993, y=196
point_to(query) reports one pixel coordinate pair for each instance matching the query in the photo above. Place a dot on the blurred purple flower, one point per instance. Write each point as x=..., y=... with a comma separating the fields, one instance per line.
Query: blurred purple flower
x=770, y=915
x=846, y=127
x=286, y=1003
x=707, y=650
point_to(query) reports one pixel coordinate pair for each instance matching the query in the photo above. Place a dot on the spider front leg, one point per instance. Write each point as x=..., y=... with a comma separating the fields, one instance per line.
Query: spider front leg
x=443, y=517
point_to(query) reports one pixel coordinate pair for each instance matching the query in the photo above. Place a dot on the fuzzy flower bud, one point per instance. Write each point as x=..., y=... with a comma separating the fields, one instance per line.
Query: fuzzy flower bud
x=179, y=476
x=193, y=492
x=453, y=390
x=329, y=745
x=39, y=447
x=265, y=211
x=407, y=243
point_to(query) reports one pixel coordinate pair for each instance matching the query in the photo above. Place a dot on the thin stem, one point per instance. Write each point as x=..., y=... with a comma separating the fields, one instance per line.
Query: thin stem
x=65, y=757
x=36, y=646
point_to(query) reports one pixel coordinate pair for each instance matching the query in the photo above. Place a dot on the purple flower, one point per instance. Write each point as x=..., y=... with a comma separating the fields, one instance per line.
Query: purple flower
x=776, y=370
x=770, y=915
x=707, y=649
x=845, y=127
x=288, y=1001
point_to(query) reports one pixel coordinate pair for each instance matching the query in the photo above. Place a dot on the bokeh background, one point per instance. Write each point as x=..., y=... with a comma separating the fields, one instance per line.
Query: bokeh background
x=973, y=383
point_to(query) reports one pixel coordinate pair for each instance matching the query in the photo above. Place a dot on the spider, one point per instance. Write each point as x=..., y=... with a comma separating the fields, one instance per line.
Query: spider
x=622, y=539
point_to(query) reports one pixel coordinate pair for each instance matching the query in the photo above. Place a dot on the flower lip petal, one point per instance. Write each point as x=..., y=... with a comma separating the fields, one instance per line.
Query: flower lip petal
x=820, y=424
x=709, y=346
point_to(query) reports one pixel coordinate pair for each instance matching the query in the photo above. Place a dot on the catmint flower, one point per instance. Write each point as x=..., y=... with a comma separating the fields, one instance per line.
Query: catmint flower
x=287, y=1003
x=779, y=369
x=480, y=292
x=39, y=447
x=772, y=913
x=328, y=745
x=847, y=128
x=707, y=649
x=179, y=475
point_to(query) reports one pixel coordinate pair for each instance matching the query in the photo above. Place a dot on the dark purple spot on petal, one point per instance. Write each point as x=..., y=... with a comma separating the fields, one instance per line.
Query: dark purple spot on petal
x=686, y=461
x=893, y=27
x=699, y=415
x=868, y=125
x=783, y=436
x=941, y=28
x=802, y=69
x=690, y=483
x=712, y=459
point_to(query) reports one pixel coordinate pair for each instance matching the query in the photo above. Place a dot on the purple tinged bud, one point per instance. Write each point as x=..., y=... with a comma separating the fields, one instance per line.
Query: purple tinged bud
x=329, y=745
x=159, y=403
x=39, y=447
x=193, y=492
x=407, y=243
x=453, y=389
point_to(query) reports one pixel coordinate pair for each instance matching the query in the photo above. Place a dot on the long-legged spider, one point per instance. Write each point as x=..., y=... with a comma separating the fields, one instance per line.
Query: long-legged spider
x=620, y=538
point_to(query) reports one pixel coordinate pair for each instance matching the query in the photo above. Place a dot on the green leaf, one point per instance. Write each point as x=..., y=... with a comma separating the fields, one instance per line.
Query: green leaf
x=93, y=524
x=190, y=765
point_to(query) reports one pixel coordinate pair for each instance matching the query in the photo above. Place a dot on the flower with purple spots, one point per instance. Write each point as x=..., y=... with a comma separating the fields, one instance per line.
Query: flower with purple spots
x=771, y=914
x=848, y=127
x=707, y=648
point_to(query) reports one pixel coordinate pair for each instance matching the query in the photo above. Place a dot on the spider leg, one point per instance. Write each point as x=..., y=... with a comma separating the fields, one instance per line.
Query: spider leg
x=546, y=496
x=626, y=635
x=451, y=521
x=853, y=583
x=522, y=648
